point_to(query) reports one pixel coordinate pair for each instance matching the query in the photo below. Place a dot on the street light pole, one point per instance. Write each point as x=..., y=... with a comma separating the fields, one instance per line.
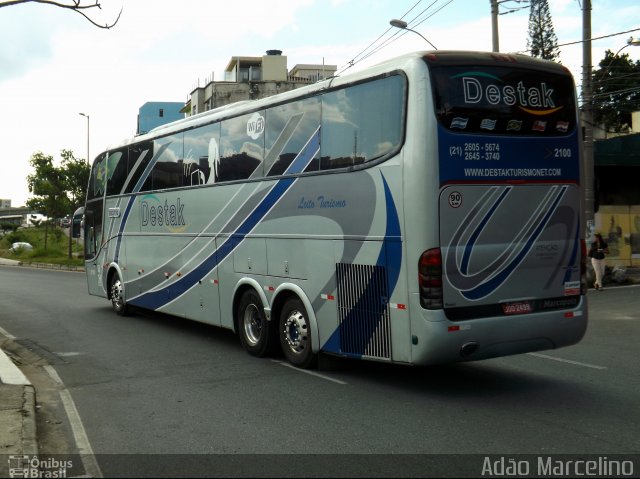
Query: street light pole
x=587, y=120
x=631, y=41
x=87, y=117
x=494, y=26
x=403, y=26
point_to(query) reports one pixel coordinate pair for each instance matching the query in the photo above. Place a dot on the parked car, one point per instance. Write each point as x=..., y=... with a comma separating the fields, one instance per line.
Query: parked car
x=20, y=246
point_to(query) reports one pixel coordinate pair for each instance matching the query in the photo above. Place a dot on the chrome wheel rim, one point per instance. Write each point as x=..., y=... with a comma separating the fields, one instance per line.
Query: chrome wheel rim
x=296, y=332
x=117, y=295
x=252, y=324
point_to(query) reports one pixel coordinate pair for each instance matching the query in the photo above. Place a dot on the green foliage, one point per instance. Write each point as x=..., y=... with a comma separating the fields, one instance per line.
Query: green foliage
x=5, y=226
x=542, y=41
x=46, y=183
x=56, y=251
x=76, y=176
x=15, y=237
x=57, y=190
x=615, y=91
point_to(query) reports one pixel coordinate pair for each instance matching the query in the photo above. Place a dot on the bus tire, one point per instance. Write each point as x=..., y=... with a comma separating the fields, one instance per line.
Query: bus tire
x=256, y=332
x=116, y=294
x=295, y=334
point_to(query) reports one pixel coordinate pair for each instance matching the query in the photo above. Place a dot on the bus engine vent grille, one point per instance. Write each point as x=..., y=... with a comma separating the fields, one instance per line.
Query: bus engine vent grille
x=363, y=310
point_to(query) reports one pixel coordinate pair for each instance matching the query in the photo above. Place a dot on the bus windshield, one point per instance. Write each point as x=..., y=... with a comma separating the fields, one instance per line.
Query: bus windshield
x=504, y=100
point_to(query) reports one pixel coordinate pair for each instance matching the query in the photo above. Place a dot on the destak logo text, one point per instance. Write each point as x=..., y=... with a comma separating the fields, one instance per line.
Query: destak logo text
x=154, y=212
x=482, y=88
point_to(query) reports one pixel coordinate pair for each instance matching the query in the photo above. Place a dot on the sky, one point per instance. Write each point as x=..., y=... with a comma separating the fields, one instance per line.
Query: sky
x=55, y=65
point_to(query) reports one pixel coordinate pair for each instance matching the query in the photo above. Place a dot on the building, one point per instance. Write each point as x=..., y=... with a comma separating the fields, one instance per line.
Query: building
x=252, y=78
x=15, y=216
x=617, y=176
x=155, y=113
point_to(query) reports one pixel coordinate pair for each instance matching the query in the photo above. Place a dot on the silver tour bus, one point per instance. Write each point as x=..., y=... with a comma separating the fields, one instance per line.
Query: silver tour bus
x=425, y=210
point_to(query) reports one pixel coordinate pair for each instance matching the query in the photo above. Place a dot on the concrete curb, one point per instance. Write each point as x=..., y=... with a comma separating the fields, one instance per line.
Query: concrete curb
x=61, y=267
x=18, y=435
x=29, y=429
x=9, y=262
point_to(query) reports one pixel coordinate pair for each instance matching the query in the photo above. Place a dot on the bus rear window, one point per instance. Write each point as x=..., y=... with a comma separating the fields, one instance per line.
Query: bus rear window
x=504, y=100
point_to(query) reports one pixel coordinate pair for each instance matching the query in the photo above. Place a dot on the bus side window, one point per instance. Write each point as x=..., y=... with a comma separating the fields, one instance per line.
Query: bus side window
x=288, y=129
x=241, y=148
x=168, y=172
x=117, y=171
x=97, y=178
x=93, y=227
x=362, y=122
x=202, y=154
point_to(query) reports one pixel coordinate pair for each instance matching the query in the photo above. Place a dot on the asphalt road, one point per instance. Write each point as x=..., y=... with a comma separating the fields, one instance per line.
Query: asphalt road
x=156, y=385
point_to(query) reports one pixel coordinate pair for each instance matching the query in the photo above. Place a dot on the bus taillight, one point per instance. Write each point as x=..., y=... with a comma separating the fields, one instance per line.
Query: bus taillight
x=583, y=267
x=430, y=279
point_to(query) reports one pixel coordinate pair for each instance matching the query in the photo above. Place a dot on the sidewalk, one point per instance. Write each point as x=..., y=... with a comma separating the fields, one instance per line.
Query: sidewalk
x=9, y=262
x=17, y=413
x=13, y=262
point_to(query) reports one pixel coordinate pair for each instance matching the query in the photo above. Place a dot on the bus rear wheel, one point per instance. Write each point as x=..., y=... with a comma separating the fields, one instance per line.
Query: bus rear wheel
x=295, y=334
x=255, y=330
x=116, y=293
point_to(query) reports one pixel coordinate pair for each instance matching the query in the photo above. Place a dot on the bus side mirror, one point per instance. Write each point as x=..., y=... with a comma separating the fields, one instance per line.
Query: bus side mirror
x=75, y=228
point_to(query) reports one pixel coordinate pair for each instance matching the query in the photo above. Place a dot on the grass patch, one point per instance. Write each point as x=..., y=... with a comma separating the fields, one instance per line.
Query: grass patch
x=55, y=252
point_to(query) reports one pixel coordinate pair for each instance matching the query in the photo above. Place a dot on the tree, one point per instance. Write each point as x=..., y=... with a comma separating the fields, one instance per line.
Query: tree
x=58, y=191
x=75, y=5
x=47, y=186
x=542, y=41
x=616, y=91
x=75, y=172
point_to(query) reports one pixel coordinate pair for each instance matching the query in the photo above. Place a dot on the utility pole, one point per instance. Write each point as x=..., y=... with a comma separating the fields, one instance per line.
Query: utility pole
x=494, y=25
x=587, y=119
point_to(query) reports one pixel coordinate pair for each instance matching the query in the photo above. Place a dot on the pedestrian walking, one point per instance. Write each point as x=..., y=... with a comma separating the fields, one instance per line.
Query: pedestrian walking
x=599, y=248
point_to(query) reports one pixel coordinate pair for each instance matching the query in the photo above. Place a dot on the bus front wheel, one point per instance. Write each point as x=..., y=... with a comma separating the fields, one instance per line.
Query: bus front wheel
x=116, y=293
x=253, y=326
x=295, y=334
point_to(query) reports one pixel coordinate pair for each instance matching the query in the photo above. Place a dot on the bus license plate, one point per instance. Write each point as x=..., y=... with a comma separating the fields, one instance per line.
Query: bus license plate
x=517, y=308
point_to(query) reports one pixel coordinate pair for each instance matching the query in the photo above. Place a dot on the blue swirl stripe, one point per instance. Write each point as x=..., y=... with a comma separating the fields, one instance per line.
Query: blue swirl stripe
x=158, y=298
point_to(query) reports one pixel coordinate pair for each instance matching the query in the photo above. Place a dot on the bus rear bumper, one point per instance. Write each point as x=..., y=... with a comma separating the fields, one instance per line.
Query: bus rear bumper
x=436, y=340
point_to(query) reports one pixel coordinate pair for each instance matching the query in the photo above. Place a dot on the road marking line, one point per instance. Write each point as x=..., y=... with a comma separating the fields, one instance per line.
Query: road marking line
x=312, y=373
x=616, y=318
x=6, y=333
x=91, y=467
x=568, y=361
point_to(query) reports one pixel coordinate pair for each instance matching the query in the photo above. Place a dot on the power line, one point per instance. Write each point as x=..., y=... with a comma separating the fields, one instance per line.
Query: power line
x=396, y=35
x=590, y=39
x=382, y=42
x=634, y=89
x=513, y=9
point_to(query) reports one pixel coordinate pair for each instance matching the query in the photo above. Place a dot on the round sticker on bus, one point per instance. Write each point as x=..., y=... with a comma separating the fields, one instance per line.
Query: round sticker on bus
x=255, y=126
x=455, y=199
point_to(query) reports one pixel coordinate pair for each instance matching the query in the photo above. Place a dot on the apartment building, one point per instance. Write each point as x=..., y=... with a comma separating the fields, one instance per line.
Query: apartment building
x=252, y=78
